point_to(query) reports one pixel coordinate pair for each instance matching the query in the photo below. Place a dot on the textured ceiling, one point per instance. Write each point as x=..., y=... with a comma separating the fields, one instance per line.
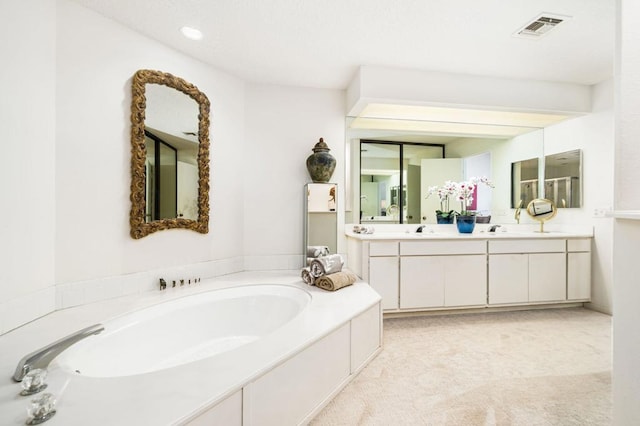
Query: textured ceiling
x=317, y=43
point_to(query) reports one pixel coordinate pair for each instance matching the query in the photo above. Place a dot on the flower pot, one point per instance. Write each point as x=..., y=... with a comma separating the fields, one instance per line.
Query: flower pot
x=448, y=219
x=465, y=223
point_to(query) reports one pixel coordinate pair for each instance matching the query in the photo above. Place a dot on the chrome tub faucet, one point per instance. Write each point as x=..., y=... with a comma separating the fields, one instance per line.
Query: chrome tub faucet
x=41, y=358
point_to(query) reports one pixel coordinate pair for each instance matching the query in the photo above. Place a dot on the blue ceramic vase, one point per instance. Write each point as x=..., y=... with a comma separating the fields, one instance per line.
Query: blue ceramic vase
x=465, y=223
x=321, y=164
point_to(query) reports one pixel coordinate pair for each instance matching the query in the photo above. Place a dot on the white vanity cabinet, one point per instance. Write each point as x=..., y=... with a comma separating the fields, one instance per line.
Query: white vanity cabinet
x=383, y=272
x=579, y=269
x=436, y=274
x=423, y=273
x=527, y=271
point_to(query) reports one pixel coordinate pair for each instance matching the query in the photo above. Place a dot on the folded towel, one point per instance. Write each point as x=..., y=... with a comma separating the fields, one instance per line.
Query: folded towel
x=317, y=251
x=307, y=277
x=326, y=265
x=336, y=281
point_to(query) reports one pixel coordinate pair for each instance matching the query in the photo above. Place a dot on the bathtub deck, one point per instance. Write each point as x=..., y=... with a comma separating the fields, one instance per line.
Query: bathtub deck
x=187, y=393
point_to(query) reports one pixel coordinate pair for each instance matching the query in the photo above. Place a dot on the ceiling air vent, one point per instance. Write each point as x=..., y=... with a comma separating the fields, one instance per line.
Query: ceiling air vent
x=541, y=25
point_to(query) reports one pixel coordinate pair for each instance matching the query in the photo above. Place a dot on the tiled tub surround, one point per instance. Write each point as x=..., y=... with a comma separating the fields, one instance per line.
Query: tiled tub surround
x=21, y=310
x=441, y=269
x=283, y=378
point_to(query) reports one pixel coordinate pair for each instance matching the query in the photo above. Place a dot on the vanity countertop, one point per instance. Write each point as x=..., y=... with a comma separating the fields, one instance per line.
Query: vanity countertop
x=481, y=232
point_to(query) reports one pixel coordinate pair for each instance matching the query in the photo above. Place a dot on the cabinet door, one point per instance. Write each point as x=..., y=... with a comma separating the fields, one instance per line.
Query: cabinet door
x=383, y=277
x=465, y=280
x=422, y=282
x=508, y=278
x=579, y=276
x=547, y=277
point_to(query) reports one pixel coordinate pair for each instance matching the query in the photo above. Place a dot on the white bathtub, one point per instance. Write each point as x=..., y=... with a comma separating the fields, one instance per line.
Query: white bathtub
x=232, y=352
x=184, y=330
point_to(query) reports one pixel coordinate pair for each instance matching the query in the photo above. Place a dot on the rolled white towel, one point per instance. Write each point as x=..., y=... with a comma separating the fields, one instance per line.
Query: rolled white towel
x=317, y=251
x=307, y=277
x=326, y=265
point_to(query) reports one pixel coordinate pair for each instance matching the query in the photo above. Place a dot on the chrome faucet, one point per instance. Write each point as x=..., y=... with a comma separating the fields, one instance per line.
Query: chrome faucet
x=41, y=358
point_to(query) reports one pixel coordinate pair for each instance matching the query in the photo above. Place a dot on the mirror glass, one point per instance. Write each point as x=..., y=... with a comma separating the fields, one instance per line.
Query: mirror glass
x=170, y=154
x=385, y=168
x=562, y=178
x=541, y=210
x=524, y=182
x=171, y=129
x=430, y=158
x=321, y=219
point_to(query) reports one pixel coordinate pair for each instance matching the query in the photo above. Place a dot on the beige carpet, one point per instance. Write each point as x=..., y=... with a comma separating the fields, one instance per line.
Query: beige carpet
x=543, y=367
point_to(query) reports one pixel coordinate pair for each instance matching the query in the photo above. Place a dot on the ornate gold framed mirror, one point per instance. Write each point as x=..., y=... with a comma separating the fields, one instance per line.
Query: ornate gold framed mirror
x=169, y=155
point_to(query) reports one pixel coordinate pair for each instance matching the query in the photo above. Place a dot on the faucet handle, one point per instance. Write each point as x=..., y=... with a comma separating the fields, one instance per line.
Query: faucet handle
x=33, y=381
x=41, y=409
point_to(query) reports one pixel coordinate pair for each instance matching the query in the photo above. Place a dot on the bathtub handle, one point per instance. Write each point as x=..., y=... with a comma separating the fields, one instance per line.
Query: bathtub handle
x=41, y=358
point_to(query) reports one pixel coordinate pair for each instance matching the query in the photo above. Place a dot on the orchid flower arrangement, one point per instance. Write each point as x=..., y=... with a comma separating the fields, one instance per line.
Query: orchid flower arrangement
x=443, y=193
x=464, y=192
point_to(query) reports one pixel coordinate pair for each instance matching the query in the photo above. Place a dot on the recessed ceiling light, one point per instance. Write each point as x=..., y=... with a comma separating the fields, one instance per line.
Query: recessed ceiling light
x=191, y=33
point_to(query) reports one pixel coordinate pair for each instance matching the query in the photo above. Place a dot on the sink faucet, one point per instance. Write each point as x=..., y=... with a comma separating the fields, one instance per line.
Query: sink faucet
x=493, y=228
x=420, y=228
x=41, y=358
x=517, y=215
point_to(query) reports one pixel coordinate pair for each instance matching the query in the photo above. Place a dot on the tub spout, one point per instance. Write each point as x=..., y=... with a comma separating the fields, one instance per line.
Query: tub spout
x=41, y=358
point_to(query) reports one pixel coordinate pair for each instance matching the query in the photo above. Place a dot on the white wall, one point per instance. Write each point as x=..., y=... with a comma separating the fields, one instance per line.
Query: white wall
x=626, y=291
x=594, y=134
x=73, y=228
x=96, y=59
x=27, y=175
x=282, y=126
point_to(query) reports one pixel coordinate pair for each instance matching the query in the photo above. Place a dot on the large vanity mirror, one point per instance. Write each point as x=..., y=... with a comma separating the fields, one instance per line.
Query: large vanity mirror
x=392, y=169
x=169, y=154
x=525, y=182
x=563, y=177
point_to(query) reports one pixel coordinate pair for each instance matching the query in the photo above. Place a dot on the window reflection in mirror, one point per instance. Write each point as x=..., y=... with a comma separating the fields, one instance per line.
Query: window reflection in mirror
x=562, y=178
x=171, y=123
x=390, y=180
x=524, y=182
x=162, y=179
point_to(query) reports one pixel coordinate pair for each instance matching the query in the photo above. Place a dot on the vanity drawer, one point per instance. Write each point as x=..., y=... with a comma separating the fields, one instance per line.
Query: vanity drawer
x=579, y=244
x=419, y=248
x=528, y=246
x=383, y=248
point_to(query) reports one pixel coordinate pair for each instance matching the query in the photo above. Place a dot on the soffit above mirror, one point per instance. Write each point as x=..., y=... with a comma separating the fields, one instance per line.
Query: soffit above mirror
x=450, y=122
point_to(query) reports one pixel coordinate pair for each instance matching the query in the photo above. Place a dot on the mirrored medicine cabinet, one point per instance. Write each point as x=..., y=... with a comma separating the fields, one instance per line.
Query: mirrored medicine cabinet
x=169, y=154
x=320, y=219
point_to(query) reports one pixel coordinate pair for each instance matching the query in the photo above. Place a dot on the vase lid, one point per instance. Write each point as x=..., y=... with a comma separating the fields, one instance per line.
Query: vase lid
x=321, y=146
